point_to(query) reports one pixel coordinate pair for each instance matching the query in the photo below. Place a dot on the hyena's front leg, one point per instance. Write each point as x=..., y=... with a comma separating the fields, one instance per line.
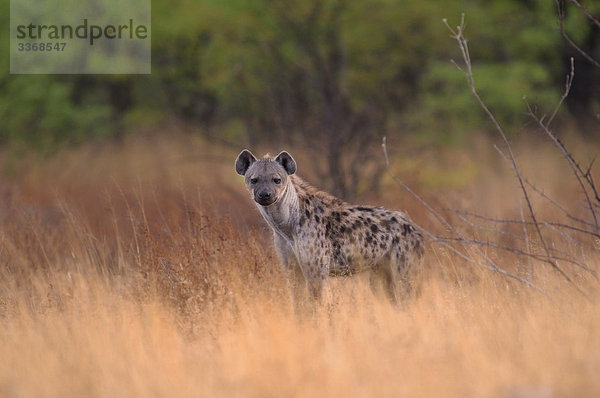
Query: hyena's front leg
x=284, y=252
x=315, y=271
x=291, y=269
x=315, y=289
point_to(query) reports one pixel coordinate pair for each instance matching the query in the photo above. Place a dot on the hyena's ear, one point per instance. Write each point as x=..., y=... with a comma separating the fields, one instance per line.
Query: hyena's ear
x=287, y=162
x=244, y=161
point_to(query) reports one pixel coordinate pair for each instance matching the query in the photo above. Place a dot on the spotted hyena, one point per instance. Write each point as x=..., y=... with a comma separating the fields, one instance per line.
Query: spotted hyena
x=318, y=235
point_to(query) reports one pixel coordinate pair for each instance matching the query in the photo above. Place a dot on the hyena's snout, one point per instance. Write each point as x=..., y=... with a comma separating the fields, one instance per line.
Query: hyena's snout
x=264, y=197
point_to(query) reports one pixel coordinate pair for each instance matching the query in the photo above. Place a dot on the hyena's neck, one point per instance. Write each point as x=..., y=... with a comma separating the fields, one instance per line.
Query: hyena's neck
x=284, y=215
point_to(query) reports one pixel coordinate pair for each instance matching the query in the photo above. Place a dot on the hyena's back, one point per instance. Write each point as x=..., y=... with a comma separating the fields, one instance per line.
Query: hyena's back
x=356, y=238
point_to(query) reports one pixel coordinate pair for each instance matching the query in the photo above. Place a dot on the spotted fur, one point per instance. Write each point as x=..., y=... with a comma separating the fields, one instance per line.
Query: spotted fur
x=325, y=236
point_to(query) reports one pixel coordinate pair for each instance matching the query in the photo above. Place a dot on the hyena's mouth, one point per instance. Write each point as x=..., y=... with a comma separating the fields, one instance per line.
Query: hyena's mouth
x=265, y=201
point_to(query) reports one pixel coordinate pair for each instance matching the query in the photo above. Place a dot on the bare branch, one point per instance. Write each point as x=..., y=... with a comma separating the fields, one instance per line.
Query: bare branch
x=518, y=252
x=577, y=170
x=568, y=84
x=490, y=264
x=546, y=197
x=547, y=223
x=527, y=244
x=557, y=254
x=462, y=45
x=561, y=24
x=587, y=13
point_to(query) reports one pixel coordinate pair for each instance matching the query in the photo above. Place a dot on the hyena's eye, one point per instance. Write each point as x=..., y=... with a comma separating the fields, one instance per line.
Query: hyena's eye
x=277, y=180
x=253, y=180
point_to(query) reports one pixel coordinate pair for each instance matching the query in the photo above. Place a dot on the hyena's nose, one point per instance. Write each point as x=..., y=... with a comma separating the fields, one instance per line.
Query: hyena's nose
x=264, y=195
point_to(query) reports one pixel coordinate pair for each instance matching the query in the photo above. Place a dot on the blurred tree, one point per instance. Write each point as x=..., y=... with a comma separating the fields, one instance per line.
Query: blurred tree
x=515, y=52
x=47, y=111
x=580, y=26
x=182, y=33
x=320, y=74
x=38, y=111
x=330, y=75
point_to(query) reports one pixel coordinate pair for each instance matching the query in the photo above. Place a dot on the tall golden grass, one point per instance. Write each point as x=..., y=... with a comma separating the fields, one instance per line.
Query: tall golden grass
x=143, y=270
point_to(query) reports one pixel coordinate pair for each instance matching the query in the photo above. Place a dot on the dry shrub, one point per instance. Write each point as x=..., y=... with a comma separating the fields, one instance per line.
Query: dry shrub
x=157, y=278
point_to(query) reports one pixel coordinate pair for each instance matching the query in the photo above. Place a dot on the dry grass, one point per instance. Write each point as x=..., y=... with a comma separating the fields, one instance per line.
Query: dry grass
x=142, y=270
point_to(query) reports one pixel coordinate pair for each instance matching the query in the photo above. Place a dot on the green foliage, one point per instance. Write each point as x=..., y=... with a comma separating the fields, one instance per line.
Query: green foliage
x=449, y=105
x=37, y=110
x=515, y=54
x=272, y=69
x=44, y=111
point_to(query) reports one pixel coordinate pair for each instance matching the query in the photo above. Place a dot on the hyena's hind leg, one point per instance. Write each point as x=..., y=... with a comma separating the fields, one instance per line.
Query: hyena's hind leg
x=406, y=266
x=400, y=275
x=381, y=279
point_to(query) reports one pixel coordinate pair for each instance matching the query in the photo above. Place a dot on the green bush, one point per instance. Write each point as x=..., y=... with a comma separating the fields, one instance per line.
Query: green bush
x=275, y=70
x=38, y=111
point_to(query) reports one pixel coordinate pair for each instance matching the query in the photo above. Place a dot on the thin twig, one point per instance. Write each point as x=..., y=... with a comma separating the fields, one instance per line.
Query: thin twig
x=527, y=244
x=518, y=252
x=491, y=265
x=587, y=13
x=568, y=85
x=462, y=44
x=486, y=228
x=553, y=224
x=528, y=252
x=561, y=25
x=575, y=167
x=546, y=197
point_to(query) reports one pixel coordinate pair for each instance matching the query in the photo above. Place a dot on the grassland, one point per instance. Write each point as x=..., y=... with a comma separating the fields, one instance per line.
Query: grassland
x=141, y=269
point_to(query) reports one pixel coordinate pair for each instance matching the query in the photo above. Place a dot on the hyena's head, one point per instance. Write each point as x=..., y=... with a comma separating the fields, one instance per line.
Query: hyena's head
x=265, y=178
